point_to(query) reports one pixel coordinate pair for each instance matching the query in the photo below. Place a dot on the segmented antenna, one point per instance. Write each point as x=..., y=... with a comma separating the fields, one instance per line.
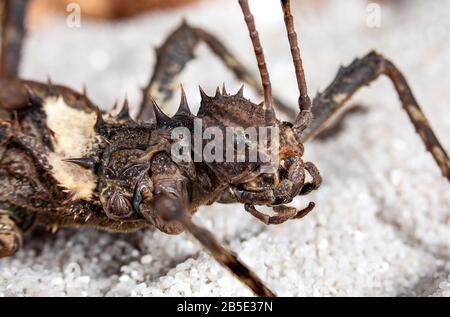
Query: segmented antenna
x=304, y=101
x=265, y=78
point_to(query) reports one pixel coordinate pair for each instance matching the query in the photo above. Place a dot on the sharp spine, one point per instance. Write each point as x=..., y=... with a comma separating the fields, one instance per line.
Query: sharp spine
x=100, y=125
x=224, y=90
x=203, y=95
x=160, y=116
x=124, y=113
x=240, y=92
x=34, y=98
x=218, y=94
x=51, y=91
x=85, y=162
x=184, y=106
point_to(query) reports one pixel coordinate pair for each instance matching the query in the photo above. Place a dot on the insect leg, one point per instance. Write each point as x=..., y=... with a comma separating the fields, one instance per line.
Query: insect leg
x=259, y=54
x=338, y=125
x=316, y=179
x=176, y=52
x=361, y=73
x=284, y=213
x=171, y=208
x=298, y=214
x=12, y=33
x=10, y=235
x=262, y=197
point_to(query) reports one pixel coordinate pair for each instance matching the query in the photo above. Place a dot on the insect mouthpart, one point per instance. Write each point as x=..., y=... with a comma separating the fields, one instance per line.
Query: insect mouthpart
x=280, y=186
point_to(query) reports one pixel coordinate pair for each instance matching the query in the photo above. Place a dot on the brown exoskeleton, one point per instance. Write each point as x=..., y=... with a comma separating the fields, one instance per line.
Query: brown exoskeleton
x=65, y=163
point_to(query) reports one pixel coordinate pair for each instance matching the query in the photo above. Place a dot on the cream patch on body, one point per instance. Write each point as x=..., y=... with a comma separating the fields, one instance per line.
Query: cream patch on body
x=74, y=136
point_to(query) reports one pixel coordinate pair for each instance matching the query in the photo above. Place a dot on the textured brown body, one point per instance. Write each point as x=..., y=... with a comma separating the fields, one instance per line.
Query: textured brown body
x=44, y=198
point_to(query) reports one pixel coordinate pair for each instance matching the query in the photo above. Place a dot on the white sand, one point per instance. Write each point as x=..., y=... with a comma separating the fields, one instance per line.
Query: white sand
x=382, y=222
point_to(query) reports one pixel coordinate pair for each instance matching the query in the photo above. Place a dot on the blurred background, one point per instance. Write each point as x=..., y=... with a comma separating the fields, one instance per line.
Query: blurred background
x=99, y=9
x=113, y=40
x=382, y=221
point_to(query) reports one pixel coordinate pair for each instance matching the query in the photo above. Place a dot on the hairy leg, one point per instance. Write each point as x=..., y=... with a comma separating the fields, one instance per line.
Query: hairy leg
x=361, y=73
x=176, y=52
x=12, y=33
x=173, y=217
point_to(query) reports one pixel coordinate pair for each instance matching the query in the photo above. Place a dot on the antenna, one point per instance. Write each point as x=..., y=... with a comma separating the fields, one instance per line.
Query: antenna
x=304, y=101
x=265, y=78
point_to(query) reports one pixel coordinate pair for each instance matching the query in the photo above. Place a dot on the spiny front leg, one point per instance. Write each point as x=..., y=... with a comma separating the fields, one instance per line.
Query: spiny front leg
x=167, y=206
x=10, y=235
x=176, y=52
x=172, y=209
x=361, y=73
x=284, y=213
